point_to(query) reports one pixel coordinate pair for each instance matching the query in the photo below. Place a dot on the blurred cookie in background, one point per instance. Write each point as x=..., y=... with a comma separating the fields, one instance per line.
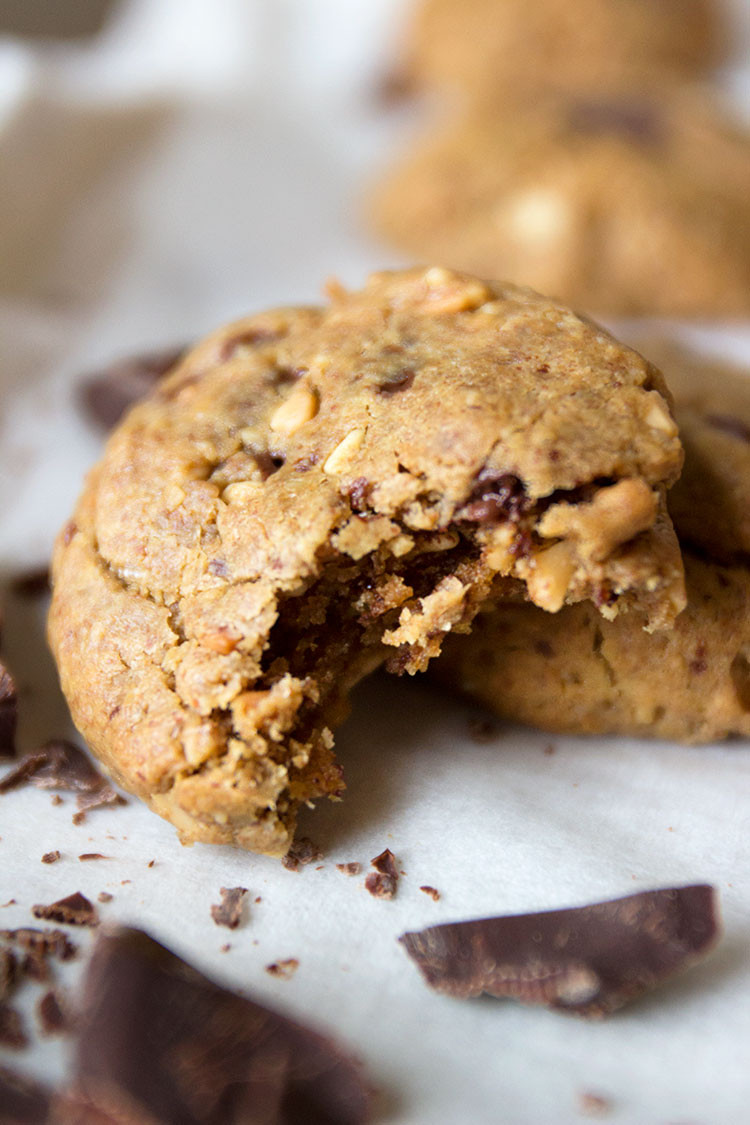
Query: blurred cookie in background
x=626, y=203
x=576, y=44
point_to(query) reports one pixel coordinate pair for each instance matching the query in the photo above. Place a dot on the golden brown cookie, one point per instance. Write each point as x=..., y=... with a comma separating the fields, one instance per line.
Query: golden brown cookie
x=576, y=673
x=313, y=492
x=627, y=203
x=576, y=44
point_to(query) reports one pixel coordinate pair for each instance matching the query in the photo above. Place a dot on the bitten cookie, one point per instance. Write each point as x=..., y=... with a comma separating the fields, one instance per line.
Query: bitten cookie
x=628, y=203
x=579, y=674
x=313, y=492
x=576, y=44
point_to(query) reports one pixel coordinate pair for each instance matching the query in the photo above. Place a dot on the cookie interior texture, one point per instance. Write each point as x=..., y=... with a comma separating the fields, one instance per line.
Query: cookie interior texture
x=633, y=202
x=576, y=673
x=313, y=492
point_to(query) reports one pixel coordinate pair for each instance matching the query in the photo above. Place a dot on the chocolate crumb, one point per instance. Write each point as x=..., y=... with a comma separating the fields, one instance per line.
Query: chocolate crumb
x=24, y=1102
x=104, y=896
x=8, y=714
x=74, y=910
x=482, y=731
x=46, y=943
x=229, y=911
x=352, y=868
x=257, y=899
x=52, y=1018
x=31, y=583
x=91, y=855
x=151, y=863
x=380, y=886
x=12, y=1034
x=50, y=857
x=60, y=764
x=386, y=863
x=57, y=799
x=302, y=852
x=107, y=395
x=283, y=969
x=587, y=960
x=594, y=1105
x=8, y=973
x=209, y=1055
x=432, y=892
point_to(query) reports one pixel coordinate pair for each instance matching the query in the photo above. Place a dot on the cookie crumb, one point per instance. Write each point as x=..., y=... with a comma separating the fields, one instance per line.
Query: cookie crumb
x=50, y=857
x=432, y=892
x=283, y=969
x=229, y=911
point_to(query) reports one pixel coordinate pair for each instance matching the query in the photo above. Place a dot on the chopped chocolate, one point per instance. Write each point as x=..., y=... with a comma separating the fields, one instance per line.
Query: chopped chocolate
x=50, y=857
x=302, y=852
x=283, y=969
x=91, y=855
x=380, y=886
x=23, y=1101
x=735, y=427
x=353, y=868
x=630, y=118
x=47, y=943
x=358, y=492
x=432, y=892
x=151, y=863
x=587, y=960
x=12, y=1034
x=482, y=731
x=495, y=498
x=209, y=1055
x=8, y=714
x=8, y=973
x=104, y=798
x=106, y=395
x=52, y=1018
x=74, y=910
x=31, y=583
x=386, y=863
x=59, y=764
x=104, y=896
x=229, y=911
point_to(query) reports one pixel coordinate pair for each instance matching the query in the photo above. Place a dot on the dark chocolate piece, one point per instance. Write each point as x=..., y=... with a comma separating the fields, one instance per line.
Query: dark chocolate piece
x=107, y=395
x=353, y=868
x=8, y=973
x=22, y=1101
x=284, y=969
x=386, y=863
x=588, y=960
x=50, y=857
x=229, y=911
x=31, y=583
x=495, y=498
x=380, y=886
x=52, y=1018
x=302, y=852
x=12, y=1034
x=59, y=764
x=210, y=1056
x=46, y=943
x=8, y=714
x=74, y=910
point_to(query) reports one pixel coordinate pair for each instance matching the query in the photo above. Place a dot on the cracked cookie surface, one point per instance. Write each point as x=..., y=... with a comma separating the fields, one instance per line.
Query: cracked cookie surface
x=578, y=674
x=314, y=492
x=632, y=203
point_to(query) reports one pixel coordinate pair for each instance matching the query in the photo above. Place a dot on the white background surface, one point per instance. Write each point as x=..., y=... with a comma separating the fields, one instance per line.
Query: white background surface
x=204, y=160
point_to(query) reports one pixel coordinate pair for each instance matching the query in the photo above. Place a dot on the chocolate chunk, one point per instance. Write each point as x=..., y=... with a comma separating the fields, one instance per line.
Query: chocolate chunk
x=8, y=973
x=74, y=910
x=359, y=493
x=59, y=764
x=432, y=892
x=633, y=119
x=209, y=1054
x=283, y=969
x=8, y=714
x=353, y=868
x=495, y=498
x=23, y=1101
x=380, y=886
x=735, y=427
x=302, y=852
x=31, y=583
x=50, y=857
x=52, y=1018
x=386, y=863
x=12, y=1034
x=48, y=943
x=588, y=960
x=229, y=911
x=106, y=395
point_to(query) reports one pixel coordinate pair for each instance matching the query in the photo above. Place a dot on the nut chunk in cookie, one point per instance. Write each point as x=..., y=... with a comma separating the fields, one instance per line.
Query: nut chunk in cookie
x=313, y=492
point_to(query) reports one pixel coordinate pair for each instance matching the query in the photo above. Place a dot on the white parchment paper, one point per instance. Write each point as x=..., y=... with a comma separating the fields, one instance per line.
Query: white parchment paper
x=207, y=158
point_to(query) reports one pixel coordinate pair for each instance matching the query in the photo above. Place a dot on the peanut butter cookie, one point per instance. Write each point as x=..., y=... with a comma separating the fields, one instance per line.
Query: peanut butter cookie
x=313, y=492
x=576, y=673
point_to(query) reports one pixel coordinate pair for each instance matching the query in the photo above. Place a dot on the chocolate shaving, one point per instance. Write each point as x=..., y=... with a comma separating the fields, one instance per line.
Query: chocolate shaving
x=284, y=969
x=23, y=1101
x=229, y=911
x=735, y=427
x=74, y=910
x=302, y=852
x=8, y=714
x=50, y=857
x=12, y=1034
x=588, y=960
x=106, y=395
x=59, y=764
x=209, y=1055
x=52, y=1018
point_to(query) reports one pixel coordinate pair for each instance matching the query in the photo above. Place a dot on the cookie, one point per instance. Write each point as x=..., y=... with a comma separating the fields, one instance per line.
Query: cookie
x=314, y=492
x=627, y=203
x=575, y=44
x=576, y=673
